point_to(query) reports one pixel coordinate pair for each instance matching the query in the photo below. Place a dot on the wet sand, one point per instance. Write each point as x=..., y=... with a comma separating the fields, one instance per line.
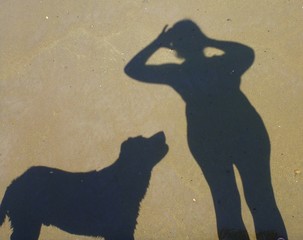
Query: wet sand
x=67, y=103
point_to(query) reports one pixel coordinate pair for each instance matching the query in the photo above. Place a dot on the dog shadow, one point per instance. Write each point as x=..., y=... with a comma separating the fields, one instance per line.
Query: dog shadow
x=101, y=203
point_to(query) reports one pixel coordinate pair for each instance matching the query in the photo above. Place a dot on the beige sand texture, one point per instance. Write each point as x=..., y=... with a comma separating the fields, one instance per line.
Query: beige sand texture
x=67, y=103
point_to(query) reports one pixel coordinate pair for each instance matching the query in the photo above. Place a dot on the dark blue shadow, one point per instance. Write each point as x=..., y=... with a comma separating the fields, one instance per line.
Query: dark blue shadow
x=101, y=203
x=223, y=128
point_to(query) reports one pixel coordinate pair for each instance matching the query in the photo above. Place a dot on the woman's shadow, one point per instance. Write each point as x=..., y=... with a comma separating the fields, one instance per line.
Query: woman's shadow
x=223, y=128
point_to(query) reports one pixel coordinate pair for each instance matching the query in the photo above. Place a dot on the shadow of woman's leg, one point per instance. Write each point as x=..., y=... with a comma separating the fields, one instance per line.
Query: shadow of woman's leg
x=220, y=177
x=258, y=190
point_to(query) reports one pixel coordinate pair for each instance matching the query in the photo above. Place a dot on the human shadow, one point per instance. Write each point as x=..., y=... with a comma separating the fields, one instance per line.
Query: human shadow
x=101, y=203
x=223, y=128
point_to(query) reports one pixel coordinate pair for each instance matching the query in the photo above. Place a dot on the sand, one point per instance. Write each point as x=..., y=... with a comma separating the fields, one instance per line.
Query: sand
x=67, y=103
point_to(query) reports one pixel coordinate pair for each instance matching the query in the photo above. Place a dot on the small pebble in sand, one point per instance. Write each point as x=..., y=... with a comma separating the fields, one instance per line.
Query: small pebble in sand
x=297, y=171
x=46, y=17
x=194, y=200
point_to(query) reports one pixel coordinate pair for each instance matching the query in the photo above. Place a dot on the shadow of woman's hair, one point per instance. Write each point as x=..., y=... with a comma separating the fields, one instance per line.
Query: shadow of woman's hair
x=187, y=38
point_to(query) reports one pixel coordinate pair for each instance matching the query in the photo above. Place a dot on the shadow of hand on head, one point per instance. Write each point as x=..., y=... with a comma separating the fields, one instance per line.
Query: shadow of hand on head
x=223, y=128
x=101, y=203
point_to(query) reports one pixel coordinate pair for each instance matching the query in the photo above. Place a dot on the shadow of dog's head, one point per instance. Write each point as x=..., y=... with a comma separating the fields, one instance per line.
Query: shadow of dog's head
x=141, y=152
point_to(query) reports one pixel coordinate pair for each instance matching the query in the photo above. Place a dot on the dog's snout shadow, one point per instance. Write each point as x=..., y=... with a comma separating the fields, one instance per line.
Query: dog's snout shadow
x=101, y=203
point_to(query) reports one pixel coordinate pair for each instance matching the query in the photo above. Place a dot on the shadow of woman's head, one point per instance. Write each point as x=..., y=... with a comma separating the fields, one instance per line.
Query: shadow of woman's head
x=187, y=39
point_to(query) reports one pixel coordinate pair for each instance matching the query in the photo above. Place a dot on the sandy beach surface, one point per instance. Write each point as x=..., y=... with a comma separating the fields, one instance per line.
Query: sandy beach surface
x=67, y=103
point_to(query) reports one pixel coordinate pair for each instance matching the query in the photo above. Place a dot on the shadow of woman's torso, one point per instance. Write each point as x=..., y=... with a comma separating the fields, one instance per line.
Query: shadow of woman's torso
x=220, y=117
